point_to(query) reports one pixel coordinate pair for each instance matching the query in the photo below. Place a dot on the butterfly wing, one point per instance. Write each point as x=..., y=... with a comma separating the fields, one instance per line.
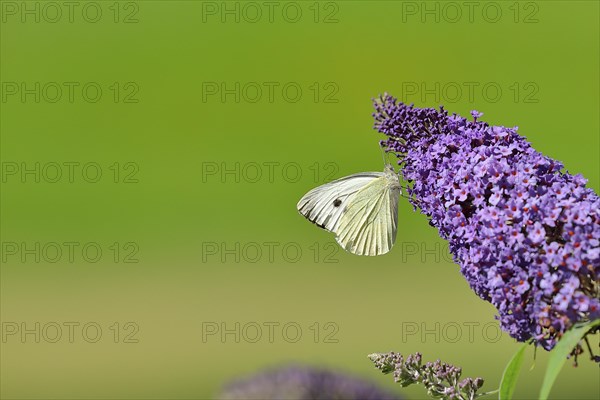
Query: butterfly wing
x=369, y=223
x=325, y=204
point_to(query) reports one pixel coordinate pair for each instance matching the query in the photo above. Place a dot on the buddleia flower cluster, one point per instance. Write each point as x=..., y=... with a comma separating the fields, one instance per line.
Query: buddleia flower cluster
x=524, y=232
x=441, y=380
x=298, y=382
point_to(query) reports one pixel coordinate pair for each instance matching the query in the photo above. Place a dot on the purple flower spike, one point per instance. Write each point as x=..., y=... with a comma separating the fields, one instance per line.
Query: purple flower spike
x=525, y=234
x=441, y=380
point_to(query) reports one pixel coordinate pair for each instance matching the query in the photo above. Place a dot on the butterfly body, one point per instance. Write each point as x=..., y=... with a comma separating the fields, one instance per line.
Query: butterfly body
x=360, y=209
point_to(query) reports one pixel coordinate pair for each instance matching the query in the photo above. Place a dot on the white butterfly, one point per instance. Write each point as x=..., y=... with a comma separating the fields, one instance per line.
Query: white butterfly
x=361, y=209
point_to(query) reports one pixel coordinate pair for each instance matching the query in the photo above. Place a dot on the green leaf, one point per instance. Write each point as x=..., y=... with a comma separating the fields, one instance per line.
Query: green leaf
x=559, y=354
x=511, y=374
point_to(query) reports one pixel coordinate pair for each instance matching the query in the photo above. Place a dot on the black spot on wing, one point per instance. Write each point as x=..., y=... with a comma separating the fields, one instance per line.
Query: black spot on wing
x=337, y=202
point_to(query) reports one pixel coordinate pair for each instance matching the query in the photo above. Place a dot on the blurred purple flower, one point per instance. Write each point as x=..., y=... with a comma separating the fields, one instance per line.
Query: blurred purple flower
x=303, y=383
x=525, y=234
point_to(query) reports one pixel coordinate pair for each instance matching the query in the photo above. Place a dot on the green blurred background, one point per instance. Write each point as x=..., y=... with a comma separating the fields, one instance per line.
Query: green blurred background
x=164, y=126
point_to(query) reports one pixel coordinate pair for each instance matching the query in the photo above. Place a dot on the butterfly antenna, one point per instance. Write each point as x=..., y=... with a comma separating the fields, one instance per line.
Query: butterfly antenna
x=381, y=147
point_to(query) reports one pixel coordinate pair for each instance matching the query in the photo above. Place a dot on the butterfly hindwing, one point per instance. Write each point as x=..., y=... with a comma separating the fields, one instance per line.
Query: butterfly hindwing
x=369, y=223
x=325, y=204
